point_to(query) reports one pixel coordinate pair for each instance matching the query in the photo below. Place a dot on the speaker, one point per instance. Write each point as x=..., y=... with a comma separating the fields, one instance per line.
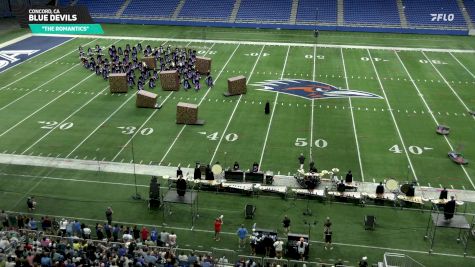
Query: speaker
x=249, y=211
x=154, y=192
x=369, y=222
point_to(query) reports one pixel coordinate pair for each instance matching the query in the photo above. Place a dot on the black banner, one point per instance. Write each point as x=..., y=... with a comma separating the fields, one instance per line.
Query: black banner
x=51, y=15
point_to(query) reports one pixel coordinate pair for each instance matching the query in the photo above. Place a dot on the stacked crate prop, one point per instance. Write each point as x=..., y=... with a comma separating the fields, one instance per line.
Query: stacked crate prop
x=236, y=86
x=187, y=113
x=169, y=80
x=146, y=100
x=203, y=65
x=118, y=83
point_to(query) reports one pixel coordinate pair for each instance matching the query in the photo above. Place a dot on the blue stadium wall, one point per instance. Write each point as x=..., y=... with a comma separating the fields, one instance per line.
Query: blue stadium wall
x=282, y=26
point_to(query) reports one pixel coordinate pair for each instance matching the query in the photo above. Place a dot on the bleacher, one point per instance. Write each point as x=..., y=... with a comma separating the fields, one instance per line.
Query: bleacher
x=447, y=13
x=420, y=14
x=470, y=7
x=147, y=8
x=264, y=10
x=205, y=9
x=325, y=11
x=370, y=12
x=102, y=8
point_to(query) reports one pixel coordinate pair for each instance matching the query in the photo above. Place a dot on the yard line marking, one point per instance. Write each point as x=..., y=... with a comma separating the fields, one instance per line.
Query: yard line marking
x=201, y=101
x=352, y=117
x=23, y=77
x=235, y=108
x=431, y=114
x=273, y=109
x=140, y=128
x=313, y=105
x=100, y=125
x=47, y=104
x=461, y=64
x=151, y=115
x=43, y=84
x=64, y=120
x=392, y=116
x=448, y=84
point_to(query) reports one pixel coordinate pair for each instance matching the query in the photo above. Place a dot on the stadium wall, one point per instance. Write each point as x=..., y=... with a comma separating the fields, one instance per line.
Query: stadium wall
x=282, y=26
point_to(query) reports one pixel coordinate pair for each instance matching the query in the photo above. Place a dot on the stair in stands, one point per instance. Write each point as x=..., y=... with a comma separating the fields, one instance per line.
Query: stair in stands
x=122, y=8
x=340, y=18
x=402, y=15
x=465, y=14
x=293, y=12
x=178, y=8
x=237, y=5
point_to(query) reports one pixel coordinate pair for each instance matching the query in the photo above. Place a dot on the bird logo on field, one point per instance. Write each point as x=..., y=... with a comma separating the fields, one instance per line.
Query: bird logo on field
x=311, y=89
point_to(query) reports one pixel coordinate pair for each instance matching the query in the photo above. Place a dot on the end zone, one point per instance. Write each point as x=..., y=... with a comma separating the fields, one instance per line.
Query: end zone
x=28, y=48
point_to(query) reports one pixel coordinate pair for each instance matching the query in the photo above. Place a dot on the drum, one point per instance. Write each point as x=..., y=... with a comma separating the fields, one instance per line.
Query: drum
x=405, y=188
x=392, y=185
x=216, y=169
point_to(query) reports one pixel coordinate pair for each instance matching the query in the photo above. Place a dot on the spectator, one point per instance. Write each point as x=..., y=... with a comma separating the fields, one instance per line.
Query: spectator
x=217, y=227
x=163, y=238
x=4, y=220
x=109, y=213
x=363, y=262
x=31, y=203
x=279, y=247
x=172, y=240
x=242, y=234
x=286, y=224
x=144, y=233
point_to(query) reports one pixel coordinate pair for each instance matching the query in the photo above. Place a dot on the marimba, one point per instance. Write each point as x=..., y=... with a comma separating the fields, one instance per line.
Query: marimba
x=306, y=192
x=282, y=190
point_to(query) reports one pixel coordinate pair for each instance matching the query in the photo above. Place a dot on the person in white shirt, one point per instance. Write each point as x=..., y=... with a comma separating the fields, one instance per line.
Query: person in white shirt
x=301, y=247
x=278, y=246
x=172, y=240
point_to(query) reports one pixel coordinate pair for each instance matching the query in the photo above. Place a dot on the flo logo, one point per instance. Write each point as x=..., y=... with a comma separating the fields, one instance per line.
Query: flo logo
x=311, y=89
x=442, y=17
x=11, y=56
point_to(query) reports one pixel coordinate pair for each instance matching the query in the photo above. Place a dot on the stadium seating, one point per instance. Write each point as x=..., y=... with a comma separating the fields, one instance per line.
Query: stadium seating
x=371, y=12
x=420, y=13
x=205, y=9
x=265, y=10
x=470, y=6
x=102, y=8
x=325, y=11
x=146, y=8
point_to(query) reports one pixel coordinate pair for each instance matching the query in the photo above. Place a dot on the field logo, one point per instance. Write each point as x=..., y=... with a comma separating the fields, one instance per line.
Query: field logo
x=311, y=89
x=11, y=56
x=442, y=17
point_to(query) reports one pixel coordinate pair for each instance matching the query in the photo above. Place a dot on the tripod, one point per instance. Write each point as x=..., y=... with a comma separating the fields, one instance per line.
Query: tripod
x=308, y=211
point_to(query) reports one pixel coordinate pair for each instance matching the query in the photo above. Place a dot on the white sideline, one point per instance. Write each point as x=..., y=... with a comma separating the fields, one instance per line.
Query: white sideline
x=201, y=101
x=312, y=105
x=45, y=105
x=23, y=77
x=392, y=116
x=12, y=41
x=273, y=110
x=448, y=84
x=235, y=108
x=352, y=117
x=432, y=114
x=270, y=43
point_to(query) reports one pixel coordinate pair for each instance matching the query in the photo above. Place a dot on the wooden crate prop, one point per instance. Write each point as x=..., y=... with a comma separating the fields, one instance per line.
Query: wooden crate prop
x=146, y=99
x=203, y=65
x=169, y=80
x=150, y=62
x=187, y=113
x=118, y=83
x=236, y=86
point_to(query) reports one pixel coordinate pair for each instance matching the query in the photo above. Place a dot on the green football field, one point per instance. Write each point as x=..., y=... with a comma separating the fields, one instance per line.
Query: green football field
x=51, y=107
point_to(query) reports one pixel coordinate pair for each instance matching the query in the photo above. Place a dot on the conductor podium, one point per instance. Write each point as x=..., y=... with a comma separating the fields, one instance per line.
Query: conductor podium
x=118, y=83
x=187, y=113
x=236, y=86
x=169, y=80
x=203, y=65
x=150, y=62
x=146, y=100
